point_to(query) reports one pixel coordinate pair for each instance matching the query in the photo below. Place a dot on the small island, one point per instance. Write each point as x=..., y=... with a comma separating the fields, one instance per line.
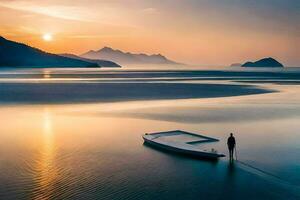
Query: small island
x=265, y=62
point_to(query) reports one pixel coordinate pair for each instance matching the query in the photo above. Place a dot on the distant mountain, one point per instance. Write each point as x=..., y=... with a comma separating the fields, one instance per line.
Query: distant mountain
x=101, y=63
x=13, y=54
x=265, y=62
x=121, y=57
x=236, y=65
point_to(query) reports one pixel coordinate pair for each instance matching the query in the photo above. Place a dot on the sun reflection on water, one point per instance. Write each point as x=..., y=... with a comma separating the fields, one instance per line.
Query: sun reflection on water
x=46, y=168
x=46, y=74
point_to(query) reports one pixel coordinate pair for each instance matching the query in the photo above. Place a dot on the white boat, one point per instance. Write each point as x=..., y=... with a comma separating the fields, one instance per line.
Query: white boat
x=182, y=142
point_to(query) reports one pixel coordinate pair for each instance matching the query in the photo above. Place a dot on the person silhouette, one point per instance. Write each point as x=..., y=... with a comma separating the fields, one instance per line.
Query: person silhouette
x=231, y=146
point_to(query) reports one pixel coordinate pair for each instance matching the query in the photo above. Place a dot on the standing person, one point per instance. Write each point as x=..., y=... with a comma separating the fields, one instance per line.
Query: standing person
x=231, y=146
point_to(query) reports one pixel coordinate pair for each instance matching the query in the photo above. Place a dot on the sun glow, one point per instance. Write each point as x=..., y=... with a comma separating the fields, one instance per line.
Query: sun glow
x=47, y=37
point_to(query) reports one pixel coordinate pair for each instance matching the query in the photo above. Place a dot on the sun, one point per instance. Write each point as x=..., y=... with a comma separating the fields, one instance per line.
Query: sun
x=47, y=37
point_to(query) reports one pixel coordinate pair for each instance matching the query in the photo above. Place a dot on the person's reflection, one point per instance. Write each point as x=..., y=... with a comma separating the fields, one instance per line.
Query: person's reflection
x=231, y=168
x=229, y=188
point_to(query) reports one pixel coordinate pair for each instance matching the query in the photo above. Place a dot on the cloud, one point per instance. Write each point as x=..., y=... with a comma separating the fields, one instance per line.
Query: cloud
x=86, y=36
x=150, y=11
x=57, y=11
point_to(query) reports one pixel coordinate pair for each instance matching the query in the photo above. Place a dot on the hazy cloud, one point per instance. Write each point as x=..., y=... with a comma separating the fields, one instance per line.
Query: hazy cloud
x=57, y=11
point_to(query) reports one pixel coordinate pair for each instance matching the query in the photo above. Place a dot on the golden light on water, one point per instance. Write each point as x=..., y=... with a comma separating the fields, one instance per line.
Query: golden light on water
x=46, y=169
x=46, y=74
x=47, y=131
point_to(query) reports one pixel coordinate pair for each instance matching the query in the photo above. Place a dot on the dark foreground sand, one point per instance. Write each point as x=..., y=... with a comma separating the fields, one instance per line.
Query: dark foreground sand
x=45, y=93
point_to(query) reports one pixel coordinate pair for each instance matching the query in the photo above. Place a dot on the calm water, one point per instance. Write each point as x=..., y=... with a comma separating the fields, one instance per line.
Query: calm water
x=92, y=149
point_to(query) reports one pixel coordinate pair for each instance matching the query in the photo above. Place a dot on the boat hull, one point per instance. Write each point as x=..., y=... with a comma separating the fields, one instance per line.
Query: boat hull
x=198, y=154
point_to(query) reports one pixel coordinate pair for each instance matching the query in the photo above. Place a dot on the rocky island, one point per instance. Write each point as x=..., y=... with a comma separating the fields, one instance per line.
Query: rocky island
x=265, y=62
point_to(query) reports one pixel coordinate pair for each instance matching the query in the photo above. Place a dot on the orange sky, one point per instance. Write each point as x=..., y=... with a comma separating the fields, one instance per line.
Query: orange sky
x=192, y=31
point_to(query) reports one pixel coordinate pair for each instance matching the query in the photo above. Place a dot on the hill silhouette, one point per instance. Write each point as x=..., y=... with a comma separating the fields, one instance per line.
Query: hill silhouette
x=101, y=63
x=121, y=57
x=14, y=54
x=265, y=62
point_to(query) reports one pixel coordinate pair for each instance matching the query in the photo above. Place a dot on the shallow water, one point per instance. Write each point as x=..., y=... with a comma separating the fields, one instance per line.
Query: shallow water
x=95, y=150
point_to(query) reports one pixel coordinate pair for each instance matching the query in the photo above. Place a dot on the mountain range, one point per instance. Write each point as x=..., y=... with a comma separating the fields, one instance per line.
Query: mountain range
x=121, y=57
x=14, y=54
x=102, y=63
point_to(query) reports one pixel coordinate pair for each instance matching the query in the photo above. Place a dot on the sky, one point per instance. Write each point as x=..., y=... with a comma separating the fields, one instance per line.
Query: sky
x=202, y=32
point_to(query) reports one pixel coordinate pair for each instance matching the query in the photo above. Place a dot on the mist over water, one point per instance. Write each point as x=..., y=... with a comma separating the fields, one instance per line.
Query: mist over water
x=60, y=140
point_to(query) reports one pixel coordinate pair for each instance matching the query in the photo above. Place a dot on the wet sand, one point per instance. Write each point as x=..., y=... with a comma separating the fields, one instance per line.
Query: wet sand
x=45, y=93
